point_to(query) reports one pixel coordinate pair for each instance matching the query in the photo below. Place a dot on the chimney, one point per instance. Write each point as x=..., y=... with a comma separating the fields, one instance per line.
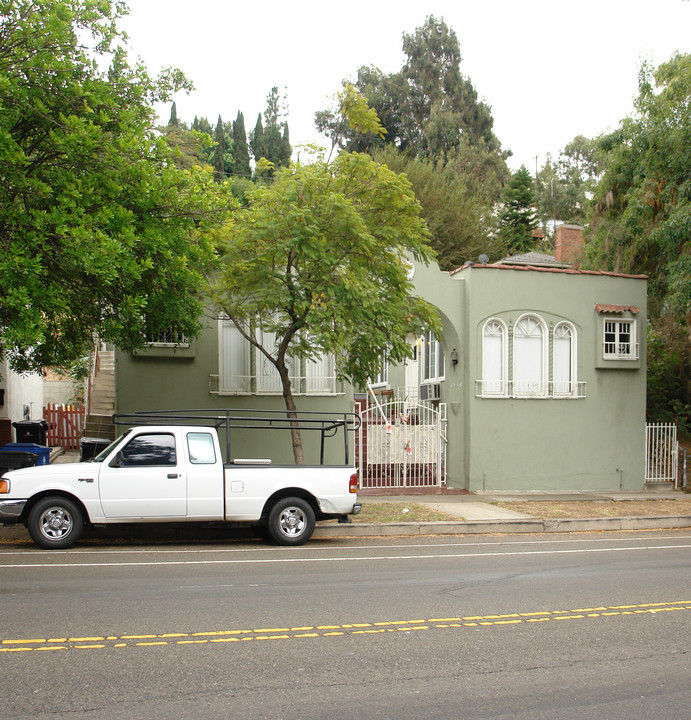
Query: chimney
x=568, y=243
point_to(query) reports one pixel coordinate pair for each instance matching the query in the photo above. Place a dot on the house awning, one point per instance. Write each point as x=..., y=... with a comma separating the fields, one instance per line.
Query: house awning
x=616, y=309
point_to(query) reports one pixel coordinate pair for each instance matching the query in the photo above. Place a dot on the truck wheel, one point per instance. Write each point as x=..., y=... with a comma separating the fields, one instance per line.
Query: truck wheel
x=291, y=521
x=55, y=522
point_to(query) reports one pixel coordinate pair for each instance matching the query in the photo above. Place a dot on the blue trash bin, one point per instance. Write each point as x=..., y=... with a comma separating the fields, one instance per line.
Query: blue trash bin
x=41, y=451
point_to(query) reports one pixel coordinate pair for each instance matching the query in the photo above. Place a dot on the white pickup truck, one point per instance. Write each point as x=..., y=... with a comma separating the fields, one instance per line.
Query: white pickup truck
x=169, y=467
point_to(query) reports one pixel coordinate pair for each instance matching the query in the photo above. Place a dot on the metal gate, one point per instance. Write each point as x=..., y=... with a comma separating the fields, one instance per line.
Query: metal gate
x=402, y=445
x=661, y=453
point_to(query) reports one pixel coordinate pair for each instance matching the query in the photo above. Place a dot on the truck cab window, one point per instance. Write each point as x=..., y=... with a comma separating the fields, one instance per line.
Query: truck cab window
x=146, y=450
x=201, y=448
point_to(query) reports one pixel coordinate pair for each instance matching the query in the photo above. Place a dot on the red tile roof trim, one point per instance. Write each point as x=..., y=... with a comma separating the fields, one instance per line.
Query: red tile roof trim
x=616, y=309
x=567, y=271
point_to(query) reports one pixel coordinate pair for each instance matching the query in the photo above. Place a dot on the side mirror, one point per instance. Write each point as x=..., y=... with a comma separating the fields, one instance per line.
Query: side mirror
x=117, y=462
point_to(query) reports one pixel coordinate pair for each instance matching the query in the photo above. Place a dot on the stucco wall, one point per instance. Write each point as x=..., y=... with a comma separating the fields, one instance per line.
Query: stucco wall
x=595, y=442
x=167, y=379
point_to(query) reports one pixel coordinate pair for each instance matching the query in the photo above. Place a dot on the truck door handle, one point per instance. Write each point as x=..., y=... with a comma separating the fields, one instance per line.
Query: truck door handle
x=172, y=476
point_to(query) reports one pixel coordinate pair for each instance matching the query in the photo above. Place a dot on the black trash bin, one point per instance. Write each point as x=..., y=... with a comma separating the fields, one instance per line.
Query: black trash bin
x=90, y=447
x=16, y=459
x=31, y=431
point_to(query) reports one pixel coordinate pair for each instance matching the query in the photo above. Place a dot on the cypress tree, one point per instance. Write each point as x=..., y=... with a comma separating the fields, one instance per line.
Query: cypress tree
x=174, y=115
x=241, y=155
x=257, y=141
x=219, y=151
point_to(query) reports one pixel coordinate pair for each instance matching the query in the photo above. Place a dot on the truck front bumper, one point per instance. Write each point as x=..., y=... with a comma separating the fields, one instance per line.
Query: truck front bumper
x=10, y=511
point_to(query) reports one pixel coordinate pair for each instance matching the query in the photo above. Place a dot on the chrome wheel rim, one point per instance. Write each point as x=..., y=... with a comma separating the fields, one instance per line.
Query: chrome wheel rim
x=56, y=523
x=292, y=521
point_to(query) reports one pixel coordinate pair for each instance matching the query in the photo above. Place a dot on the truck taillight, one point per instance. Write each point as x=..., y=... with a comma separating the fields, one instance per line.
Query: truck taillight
x=353, y=483
x=5, y=487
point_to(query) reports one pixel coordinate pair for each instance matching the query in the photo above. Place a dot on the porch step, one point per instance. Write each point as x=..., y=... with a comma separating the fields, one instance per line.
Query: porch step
x=661, y=487
x=100, y=426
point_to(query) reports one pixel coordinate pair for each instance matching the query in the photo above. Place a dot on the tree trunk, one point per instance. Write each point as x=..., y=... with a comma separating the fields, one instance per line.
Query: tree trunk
x=295, y=434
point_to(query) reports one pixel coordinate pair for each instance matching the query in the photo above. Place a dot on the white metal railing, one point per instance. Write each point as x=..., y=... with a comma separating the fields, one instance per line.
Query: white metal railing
x=661, y=453
x=170, y=337
x=268, y=385
x=619, y=351
x=553, y=389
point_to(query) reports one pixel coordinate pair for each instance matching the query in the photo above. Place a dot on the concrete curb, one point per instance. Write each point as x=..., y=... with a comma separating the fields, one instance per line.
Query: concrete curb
x=476, y=527
x=511, y=526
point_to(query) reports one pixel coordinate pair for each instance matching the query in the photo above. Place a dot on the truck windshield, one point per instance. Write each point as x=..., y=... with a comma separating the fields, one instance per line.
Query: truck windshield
x=104, y=453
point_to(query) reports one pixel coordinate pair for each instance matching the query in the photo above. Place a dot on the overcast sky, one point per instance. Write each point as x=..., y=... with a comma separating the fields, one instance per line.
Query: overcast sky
x=549, y=69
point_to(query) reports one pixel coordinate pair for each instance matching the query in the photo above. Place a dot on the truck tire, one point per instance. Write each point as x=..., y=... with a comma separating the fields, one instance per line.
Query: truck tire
x=291, y=521
x=55, y=522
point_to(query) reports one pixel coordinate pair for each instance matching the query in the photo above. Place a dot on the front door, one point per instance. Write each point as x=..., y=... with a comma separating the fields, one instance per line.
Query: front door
x=146, y=479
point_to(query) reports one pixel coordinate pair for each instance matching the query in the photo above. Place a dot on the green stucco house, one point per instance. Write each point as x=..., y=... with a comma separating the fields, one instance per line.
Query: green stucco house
x=536, y=383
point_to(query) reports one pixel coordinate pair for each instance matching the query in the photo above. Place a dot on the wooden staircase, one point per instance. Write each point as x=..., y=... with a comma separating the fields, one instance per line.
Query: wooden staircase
x=99, y=422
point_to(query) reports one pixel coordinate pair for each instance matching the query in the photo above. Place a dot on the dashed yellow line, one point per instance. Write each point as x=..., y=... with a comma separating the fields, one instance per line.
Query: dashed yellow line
x=99, y=642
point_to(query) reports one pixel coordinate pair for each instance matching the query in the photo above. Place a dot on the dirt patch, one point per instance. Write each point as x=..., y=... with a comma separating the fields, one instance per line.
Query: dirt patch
x=600, y=508
x=374, y=512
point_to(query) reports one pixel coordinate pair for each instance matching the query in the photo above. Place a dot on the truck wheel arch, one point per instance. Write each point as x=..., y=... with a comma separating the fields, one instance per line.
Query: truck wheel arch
x=292, y=493
x=54, y=493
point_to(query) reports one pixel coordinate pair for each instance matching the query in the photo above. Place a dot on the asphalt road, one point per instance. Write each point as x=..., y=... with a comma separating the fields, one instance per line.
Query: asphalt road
x=588, y=625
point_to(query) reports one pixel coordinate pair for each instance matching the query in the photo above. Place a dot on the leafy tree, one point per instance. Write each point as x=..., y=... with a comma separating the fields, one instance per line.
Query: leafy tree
x=428, y=107
x=461, y=223
x=241, y=155
x=563, y=189
x=518, y=214
x=100, y=231
x=642, y=217
x=431, y=114
x=317, y=259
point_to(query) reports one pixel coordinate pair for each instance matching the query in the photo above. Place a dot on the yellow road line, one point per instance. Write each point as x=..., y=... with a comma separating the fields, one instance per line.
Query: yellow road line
x=337, y=630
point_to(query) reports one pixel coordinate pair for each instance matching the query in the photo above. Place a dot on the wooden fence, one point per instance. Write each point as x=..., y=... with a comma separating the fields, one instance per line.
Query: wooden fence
x=65, y=425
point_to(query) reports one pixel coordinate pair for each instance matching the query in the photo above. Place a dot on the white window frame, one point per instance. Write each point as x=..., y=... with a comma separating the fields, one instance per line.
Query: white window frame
x=230, y=383
x=495, y=386
x=533, y=384
x=381, y=379
x=564, y=386
x=613, y=346
x=432, y=357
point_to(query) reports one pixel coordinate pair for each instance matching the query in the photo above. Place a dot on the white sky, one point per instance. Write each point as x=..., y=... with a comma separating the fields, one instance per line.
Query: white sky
x=549, y=69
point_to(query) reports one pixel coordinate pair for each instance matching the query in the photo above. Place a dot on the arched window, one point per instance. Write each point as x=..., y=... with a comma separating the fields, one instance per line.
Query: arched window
x=563, y=360
x=494, y=358
x=529, y=356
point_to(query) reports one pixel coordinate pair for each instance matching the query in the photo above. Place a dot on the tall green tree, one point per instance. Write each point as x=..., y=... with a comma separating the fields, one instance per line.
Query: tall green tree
x=219, y=151
x=430, y=113
x=317, y=261
x=642, y=217
x=461, y=223
x=518, y=220
x=241, y=155
x=99, y=230
x=257, y=141
x=428, y=107
x=563, y=188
